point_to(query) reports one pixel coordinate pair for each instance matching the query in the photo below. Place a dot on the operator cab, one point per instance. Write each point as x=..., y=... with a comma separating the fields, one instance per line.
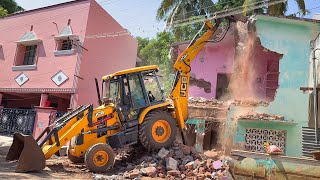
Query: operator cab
x=132, y=90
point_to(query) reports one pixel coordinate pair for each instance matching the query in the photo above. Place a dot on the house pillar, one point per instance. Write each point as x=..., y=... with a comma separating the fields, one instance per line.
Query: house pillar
x=44, y=98
x=42, y=119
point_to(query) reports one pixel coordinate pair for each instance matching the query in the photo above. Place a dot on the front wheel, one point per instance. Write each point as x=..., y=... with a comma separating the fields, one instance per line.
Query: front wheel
x=158, y=130
x=99, y=158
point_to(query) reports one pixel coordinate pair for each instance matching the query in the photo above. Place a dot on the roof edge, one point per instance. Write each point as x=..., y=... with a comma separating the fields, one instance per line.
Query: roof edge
x=42, y=8
x=289, y=18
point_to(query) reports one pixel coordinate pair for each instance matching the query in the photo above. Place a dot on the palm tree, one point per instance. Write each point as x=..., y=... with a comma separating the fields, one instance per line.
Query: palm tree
x=171, y=10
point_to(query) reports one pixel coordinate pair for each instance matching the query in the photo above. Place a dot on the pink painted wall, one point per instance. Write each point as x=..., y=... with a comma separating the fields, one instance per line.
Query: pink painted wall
x=14, y=27
x=213, y=59
x=41, y=121
x=105, y=55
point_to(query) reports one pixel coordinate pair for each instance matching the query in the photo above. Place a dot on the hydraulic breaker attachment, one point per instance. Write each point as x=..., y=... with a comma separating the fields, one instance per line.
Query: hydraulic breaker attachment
x=28, y=153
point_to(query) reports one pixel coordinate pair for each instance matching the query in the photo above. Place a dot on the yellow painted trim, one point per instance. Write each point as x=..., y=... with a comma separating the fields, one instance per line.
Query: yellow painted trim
x=132, y=70
x=145, y=111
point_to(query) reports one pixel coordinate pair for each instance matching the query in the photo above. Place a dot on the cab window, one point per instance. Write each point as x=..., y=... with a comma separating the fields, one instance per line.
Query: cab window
x=152, y=87
x=137, y=96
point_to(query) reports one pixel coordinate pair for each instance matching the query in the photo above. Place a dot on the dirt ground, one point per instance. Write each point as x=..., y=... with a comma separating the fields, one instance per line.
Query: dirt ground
x=57, y=168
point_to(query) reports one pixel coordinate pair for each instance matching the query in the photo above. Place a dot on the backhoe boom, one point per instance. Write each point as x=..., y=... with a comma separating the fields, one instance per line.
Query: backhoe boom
x=179, y=93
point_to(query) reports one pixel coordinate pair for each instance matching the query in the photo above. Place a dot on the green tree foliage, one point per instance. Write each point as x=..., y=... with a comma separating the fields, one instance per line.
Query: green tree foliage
x=11, y=6
x=175, y=10
x=142, y=42
x=3, y=12
x=156, y=52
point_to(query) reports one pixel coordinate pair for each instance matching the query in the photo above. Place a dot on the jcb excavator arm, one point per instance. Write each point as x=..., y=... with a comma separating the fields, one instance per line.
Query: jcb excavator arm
x=179, y=93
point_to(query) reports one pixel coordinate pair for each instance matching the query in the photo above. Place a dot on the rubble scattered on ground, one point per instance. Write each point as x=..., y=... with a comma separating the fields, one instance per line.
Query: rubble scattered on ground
x=178, y=162
x=260, y=116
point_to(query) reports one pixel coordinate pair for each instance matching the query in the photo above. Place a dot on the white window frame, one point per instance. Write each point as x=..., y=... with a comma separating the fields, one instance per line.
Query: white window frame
x=20, y=67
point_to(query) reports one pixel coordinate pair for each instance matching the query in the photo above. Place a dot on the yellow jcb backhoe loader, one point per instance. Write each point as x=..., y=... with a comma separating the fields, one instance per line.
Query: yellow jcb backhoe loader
x=133, y=109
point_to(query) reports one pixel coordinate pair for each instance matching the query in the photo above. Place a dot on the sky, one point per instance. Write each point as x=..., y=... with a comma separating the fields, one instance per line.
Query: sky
x=138, y=16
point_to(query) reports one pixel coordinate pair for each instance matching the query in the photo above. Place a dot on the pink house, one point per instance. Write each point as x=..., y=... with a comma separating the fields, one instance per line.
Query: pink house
x=50, y=56
x=218, y=68
x=211, y=68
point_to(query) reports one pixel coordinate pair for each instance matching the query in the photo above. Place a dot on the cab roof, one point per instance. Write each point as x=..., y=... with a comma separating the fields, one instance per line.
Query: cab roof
x=132, y=70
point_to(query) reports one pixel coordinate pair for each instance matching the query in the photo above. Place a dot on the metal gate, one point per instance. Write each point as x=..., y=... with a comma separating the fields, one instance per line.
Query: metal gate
x=17, y=120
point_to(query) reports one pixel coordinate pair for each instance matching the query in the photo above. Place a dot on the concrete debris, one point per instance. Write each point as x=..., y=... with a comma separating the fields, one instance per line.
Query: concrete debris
x=149, y=171
x=179, y=161
x=171, y=164
x=199, y=101
x=163, y=153
x=249, y=103
x=260, y=116
x=191, y=165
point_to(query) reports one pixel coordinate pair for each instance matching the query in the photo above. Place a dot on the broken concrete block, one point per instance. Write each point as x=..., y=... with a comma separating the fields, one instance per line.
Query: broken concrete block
x=149, y=171
x=134, y=174
x=191, y=165
x=217, y=164
x=171, y=164
x=163, y=153
x=179, y=154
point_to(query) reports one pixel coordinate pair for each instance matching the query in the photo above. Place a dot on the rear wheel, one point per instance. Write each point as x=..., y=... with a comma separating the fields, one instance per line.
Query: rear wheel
x=157, y=130
x=99, y=158
x=73, y=158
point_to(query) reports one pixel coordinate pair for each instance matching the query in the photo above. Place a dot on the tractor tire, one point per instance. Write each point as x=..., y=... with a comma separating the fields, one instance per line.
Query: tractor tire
x=99, y=158
x=74, y=159
x=158, y=130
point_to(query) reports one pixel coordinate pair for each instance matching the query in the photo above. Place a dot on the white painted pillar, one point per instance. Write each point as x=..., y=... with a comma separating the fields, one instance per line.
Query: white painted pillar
x=44, y=98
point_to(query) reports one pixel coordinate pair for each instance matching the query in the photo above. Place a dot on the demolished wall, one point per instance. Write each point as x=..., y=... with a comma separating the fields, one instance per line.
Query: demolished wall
x=284, y=116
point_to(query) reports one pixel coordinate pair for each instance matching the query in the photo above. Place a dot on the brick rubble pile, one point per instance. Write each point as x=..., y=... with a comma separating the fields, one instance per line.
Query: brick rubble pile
x=178, y=162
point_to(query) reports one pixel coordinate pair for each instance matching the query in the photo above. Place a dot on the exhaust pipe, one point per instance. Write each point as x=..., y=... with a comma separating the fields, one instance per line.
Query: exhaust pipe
x=28, y=153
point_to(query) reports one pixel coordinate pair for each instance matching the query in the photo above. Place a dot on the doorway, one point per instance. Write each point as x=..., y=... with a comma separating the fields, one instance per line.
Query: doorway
x=222, y=86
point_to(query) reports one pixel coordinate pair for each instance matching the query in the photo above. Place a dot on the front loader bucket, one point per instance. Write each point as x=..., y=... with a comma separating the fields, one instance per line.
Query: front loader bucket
x=28, y=153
